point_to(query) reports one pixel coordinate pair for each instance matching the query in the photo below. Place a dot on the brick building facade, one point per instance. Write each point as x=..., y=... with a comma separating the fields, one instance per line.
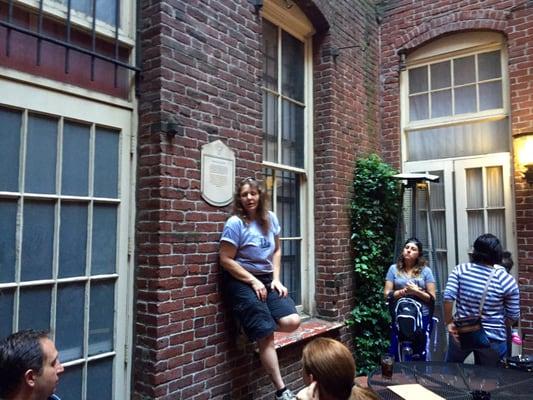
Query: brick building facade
x=123, y=98
x=202, y=66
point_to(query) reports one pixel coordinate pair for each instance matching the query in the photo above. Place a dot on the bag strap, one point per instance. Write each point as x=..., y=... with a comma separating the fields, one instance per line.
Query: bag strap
x=485, y=291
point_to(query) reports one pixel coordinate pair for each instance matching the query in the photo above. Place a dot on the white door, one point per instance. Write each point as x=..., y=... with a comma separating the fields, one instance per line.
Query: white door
x=483, y=201
x=472, y=197
x=65, y=193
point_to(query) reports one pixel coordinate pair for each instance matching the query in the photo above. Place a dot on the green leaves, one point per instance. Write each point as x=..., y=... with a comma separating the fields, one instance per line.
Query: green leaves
x=375, y=208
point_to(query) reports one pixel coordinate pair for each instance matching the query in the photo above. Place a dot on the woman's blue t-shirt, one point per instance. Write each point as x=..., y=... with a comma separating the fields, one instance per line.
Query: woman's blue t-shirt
x=255, y=250
x=401, y=279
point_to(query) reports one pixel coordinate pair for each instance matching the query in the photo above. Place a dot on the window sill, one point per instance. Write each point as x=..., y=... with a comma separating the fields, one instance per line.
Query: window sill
x=309, y=328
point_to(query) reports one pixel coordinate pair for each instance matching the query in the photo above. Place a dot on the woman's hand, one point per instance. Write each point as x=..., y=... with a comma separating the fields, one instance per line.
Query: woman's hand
x=413, y=289
x=259, y=289
x=278, y=287
x=452, y=330
x=308, y=393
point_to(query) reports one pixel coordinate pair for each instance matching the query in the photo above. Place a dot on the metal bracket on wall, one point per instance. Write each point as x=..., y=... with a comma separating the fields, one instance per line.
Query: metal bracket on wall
x=336, y=51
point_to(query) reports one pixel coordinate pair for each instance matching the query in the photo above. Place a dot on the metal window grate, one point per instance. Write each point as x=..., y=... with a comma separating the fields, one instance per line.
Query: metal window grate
x=65, y=42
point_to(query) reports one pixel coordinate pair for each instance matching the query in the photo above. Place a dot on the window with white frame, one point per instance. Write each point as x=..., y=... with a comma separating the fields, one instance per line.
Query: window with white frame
x=454, y=104
x=65, y=217
x=287, y=140
x=455, y=123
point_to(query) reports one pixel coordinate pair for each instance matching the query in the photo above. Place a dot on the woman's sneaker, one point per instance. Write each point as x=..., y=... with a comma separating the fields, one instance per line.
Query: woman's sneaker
x=286, y=395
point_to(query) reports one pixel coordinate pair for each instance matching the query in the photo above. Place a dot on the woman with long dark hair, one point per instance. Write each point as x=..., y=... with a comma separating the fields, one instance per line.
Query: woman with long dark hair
x=411, y=277
x=250, y=254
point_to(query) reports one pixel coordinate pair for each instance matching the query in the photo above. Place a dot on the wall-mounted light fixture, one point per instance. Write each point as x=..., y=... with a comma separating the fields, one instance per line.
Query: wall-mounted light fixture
x=523, y=146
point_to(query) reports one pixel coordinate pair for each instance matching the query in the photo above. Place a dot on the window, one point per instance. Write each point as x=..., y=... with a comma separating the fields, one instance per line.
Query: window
x=108, y=15
x=64, y=211
x=455, y=118
x=287, y=141
x=455, y=103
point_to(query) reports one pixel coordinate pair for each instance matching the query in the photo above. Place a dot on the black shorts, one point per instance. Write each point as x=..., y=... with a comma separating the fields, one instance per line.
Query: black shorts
x=257, y=318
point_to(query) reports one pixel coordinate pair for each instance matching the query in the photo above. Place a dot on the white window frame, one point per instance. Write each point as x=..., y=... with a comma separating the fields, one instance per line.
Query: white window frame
x=58, y=11
x=293, y=21
x=454, y=46
x=35, y=99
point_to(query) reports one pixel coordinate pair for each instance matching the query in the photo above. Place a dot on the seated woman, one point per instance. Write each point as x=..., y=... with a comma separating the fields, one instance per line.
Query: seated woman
x=411, y=277
x=329, y=372
x=250, y=254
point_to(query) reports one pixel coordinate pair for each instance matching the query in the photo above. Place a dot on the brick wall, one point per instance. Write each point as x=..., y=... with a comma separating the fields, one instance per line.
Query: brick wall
x=201, y=65
x=406, y=26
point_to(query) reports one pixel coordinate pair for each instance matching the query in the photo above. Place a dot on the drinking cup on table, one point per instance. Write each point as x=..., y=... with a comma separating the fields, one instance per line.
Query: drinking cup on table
x=387, y=362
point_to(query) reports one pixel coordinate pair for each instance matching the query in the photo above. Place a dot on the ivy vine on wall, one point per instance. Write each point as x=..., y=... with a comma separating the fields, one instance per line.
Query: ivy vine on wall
x=375, y=208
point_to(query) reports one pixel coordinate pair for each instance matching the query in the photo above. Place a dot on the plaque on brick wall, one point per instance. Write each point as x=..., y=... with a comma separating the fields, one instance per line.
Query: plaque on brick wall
x=218, y=173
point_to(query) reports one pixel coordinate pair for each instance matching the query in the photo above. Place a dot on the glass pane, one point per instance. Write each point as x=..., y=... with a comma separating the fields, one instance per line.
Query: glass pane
x=288, y=203
x=104, y=244
x=106, y=163
x=270, y=126
x=6, y=311
x=69, y=320
x=35, y=303
x=105, y=9
x=458, y=140
x=439, y=229
x=465, y=99
x=437, y=192
x=489, y=65
x=72, y=240
x=10, y=122
x=474, y=188
x=441, y=103
x=8, y=240
x=75, y=168
x=495, y=187
x=102, y=317
x=475, y=226
x=490, y=95
x=442, y=268
x=441, y=75
x=270, y=55
x=418, y=107
x=418, y=80
x=100, y=379
x=292, y=140
x=37, y=240
x=69, y=386
x=464, y=70
x=41, y=155
x=291, y=273
x=293, y=73
x=496, y=225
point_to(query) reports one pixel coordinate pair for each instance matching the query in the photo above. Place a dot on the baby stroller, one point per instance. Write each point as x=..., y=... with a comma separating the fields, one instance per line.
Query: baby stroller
x=411, y=330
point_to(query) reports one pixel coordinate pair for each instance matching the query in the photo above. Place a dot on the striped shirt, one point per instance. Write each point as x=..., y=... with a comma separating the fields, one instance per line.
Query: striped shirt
x=465, y=286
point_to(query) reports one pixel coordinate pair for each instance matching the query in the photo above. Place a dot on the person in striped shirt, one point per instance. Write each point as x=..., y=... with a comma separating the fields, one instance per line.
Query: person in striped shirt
x=465, y=287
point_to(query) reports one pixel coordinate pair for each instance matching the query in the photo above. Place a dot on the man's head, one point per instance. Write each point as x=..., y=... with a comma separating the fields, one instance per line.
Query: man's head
x=29, y=365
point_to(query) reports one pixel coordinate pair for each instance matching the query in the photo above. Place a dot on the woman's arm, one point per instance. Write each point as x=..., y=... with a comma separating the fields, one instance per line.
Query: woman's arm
x=276, y=263
x=424, y=295
x=227, y=254
x=389, y=288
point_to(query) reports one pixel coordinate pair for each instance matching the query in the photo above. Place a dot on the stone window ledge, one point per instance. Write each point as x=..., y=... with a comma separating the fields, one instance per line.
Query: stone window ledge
x=308, y=329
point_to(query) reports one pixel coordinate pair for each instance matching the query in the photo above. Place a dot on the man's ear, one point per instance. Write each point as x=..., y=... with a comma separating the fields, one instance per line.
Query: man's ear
x=29, y=378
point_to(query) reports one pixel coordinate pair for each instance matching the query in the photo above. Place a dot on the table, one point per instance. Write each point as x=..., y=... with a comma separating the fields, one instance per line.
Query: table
x=455, y=381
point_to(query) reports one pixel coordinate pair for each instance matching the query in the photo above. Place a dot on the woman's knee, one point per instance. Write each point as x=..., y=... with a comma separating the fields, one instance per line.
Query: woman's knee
x=289, y=323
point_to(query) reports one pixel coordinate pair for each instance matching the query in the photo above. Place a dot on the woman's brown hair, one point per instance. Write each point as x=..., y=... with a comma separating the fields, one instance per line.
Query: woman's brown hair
x=262, y=217
x=420, y=261
x=332, y=366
